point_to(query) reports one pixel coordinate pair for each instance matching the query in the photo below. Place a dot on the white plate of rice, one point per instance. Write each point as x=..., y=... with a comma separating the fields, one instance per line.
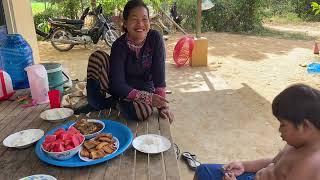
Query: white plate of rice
x=151, y=143
x=56, y=114
x=23, y=139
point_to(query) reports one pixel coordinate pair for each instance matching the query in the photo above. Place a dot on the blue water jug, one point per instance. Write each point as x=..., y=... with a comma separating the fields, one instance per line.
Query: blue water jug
x=15, y=55
x=3, y=34
x=3, y=37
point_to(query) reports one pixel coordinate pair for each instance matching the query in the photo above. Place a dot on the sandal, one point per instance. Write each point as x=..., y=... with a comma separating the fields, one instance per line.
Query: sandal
x=176, y=150
x=191, y=160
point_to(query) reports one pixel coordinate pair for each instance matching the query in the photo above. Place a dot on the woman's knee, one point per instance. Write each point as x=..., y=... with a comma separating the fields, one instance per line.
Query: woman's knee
x=134, y=111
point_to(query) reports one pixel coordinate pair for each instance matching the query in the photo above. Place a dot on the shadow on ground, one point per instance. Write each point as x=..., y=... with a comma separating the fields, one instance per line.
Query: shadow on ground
x=219, y=121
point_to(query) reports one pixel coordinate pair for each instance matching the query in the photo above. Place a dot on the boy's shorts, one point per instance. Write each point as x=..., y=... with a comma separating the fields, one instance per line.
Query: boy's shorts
x=213, y=172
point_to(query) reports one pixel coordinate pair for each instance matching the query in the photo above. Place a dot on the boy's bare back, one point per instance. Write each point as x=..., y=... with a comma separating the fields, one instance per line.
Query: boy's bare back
x=293, y=164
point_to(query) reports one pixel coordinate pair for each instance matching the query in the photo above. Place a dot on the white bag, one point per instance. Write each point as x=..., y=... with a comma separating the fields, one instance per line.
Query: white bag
x=6, y=89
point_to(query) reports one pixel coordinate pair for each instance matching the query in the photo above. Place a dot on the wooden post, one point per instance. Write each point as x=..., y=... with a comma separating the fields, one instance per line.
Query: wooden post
x=200, y=49
x=198, y=22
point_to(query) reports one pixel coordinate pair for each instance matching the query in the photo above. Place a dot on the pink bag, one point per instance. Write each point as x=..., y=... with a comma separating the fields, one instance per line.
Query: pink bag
x=6, y=90
x=38, y=81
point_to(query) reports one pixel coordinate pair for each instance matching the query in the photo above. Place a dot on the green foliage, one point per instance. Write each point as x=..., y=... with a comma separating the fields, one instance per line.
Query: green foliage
x=315, y=7
x=285, y=8
x=109, y=6
x=37, y=7
x=70, y=8
x=226, y=15
x=41, y=19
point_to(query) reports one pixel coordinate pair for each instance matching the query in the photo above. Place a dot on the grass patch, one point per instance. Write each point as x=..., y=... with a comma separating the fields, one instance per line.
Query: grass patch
x=289, y=18
x=267, y=32
x=37, y=7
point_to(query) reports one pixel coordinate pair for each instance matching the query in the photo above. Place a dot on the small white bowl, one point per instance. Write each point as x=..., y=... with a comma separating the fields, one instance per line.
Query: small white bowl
x=65, y=154
x=89, y=136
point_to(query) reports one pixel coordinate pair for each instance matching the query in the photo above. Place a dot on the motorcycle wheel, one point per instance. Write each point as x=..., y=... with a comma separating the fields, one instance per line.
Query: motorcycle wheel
x=110, y=36
x=157, y=28
x=61, y=34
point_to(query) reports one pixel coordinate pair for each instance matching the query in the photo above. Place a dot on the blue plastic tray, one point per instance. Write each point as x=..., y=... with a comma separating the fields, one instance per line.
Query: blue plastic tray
x=120, y=131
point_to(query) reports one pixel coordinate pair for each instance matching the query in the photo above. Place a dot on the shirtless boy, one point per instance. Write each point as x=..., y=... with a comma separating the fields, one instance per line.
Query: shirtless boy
x=298, y=110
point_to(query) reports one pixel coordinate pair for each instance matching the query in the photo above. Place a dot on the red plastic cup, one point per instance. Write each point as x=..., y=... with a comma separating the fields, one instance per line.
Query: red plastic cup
x=54, y=97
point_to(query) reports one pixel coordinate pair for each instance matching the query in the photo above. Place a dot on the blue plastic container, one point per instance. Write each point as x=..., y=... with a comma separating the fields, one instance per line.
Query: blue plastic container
x=15, y=55
x=3, y=34
x=313, y=68
x=55, y=76
x=3, y=37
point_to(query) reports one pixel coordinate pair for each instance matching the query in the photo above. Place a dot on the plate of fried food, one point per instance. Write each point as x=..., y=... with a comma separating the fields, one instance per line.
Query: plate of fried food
x=89, y=127
x=113, y=140
x=101, y=146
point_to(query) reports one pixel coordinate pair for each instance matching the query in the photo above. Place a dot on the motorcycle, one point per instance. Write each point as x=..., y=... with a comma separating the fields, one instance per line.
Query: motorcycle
x=65, y=33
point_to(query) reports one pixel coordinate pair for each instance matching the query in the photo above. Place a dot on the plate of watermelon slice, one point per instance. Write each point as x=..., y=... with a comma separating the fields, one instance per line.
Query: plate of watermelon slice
x=118, y=130
x=63, y=144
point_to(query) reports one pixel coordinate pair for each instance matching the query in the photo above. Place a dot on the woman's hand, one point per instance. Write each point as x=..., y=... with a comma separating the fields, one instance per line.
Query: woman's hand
x=229, y=176
x=166, y=114
x=235, y=168
x=159, y=101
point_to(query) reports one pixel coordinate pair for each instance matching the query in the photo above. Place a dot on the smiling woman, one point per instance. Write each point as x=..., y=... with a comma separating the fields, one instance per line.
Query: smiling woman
x=135, y=71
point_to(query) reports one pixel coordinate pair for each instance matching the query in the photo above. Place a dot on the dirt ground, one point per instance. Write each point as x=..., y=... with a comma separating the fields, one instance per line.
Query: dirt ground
x=223, y=111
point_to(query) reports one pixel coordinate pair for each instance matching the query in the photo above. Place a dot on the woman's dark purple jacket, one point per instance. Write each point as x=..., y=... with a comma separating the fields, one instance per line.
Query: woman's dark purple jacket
x=147, y=72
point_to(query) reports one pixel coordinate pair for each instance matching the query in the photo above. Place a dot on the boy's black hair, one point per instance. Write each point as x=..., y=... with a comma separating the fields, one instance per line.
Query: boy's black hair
x=297, y=103
x=131, y=4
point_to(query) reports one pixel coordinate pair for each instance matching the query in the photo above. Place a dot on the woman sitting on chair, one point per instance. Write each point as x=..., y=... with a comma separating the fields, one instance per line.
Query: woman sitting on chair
x=136, y=73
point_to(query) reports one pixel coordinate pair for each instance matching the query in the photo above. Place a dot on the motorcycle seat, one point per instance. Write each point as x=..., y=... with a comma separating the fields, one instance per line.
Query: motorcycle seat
x=69, y=21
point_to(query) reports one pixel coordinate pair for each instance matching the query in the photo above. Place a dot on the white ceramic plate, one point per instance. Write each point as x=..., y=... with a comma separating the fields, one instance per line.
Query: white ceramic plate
x=39, y=177
x=23, y=139
x=151, y=143
x=56, y=114
x=88, y=159
x=89, y=136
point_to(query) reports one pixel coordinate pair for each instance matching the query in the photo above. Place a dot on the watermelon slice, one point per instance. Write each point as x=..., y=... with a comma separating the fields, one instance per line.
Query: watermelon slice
x=68, y=142
x=75, y=140
x=68, y=147
x=66, y=136
x=50, y=138
x=58, y=148
x=59, y=131
x=73, y=130
x=47, y=146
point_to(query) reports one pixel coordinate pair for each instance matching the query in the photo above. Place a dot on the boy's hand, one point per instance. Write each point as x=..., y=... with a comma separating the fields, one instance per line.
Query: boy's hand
x=235, y=168
x=229, y=176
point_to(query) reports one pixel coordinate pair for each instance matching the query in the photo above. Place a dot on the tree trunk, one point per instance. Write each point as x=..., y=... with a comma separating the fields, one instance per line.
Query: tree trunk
x=81, y=4
x=93, y=3
x=198, y=22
